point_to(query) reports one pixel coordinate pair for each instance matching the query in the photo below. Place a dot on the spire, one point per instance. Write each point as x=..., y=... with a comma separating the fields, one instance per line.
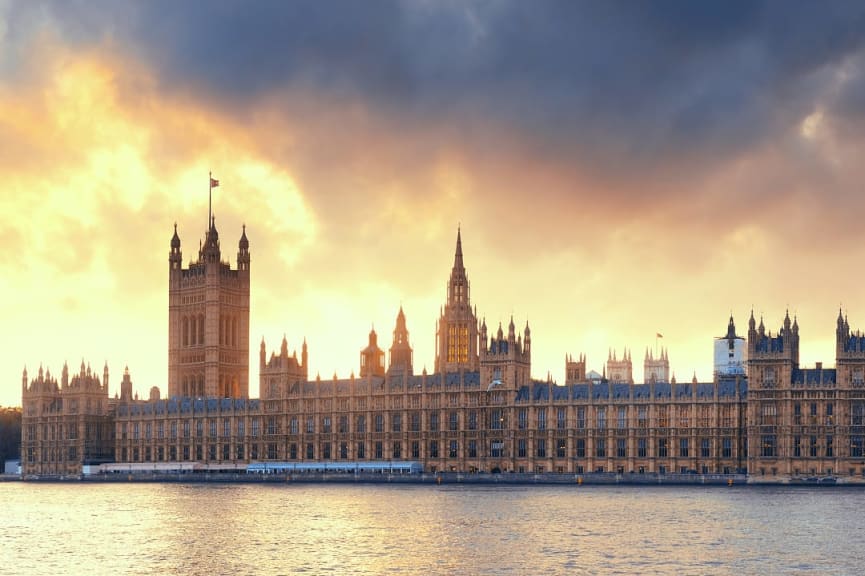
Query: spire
x=731, y=329
x=244, y=242
x=458, y=257
x=175, y=240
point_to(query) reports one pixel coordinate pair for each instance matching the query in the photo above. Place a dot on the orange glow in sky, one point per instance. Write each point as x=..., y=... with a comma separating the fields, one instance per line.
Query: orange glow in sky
x=352, y=212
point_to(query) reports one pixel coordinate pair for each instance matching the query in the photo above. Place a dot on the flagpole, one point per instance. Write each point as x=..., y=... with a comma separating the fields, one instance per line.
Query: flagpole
x=209, y=198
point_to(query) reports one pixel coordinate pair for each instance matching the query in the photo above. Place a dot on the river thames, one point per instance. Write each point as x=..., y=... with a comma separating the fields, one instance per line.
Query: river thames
x=387, y=529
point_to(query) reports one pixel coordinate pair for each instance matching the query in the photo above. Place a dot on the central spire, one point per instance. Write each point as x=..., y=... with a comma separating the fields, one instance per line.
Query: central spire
x=458, y=285
x=457, y=329
x=458, y=257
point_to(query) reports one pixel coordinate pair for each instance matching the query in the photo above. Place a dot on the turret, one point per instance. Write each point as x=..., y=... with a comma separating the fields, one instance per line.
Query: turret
x=105, y=376
x=210, y=251
x=126, y=386
x=401, y=355
x=527, y=339
x=262, y=354
x=175, y=256
x=24, y=381
x=64, y=375
x=303, y=357
x=372, y=358
x=243, y=252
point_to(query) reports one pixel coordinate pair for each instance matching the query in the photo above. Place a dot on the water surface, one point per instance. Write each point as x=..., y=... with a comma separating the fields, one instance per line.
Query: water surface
x=394, y=529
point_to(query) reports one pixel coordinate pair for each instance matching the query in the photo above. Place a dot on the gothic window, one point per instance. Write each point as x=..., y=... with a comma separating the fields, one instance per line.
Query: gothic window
x=581, y=447
x=663, y=421
x=769, y=378
x=542, y=448
x=522, y=418
x=601, y=448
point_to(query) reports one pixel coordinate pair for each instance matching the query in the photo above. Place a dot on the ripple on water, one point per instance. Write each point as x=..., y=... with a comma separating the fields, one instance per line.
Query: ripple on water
x=326, y=529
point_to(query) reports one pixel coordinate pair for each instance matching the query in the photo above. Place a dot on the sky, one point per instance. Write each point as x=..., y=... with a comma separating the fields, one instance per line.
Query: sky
x=618, y=170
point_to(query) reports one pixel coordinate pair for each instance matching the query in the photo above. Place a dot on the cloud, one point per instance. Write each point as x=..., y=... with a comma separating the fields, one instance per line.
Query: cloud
x=617, y=171
x=606, y=82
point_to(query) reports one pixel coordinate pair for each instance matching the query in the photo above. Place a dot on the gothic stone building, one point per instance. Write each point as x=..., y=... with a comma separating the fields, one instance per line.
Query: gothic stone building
x=65, y=424
x=479, y=411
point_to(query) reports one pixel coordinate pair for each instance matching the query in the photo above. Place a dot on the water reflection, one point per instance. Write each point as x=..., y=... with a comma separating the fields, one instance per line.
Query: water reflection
x=321, y=529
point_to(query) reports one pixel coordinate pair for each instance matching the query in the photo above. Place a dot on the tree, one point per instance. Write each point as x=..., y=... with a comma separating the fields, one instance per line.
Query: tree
x=10, y=434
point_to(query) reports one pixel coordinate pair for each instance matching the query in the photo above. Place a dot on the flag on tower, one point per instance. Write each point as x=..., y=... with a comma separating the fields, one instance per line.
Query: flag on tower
x=658, y=335
x=214, y=182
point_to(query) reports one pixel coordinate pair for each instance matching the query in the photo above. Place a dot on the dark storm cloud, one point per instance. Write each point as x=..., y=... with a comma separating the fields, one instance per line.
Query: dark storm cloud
x=621, y=81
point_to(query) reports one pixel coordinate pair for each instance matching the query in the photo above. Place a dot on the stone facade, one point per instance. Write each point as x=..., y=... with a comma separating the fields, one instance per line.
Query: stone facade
x=208, y=321
x=65, y=425
x=480, y=411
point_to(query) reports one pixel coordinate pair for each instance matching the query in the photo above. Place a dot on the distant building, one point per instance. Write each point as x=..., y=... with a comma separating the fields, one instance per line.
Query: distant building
x=730, y=353
x=620, y=371
x=656, y=369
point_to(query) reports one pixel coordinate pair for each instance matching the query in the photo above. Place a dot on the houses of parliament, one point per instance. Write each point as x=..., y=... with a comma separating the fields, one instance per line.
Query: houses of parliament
x=479, y=411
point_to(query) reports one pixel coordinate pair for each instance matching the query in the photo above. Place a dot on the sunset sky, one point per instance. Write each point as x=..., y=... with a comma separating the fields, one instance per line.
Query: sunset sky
x=618, y=170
